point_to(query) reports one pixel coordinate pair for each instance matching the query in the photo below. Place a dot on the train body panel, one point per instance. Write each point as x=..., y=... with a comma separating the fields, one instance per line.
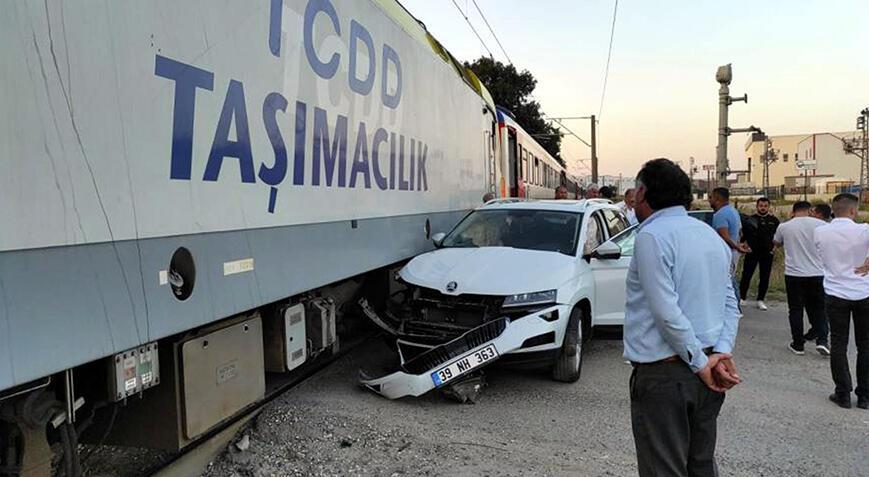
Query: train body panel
x=532, y=172
x=285, y=144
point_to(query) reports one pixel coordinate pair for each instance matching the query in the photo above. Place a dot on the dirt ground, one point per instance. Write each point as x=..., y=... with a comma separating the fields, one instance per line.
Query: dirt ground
x=777, y=423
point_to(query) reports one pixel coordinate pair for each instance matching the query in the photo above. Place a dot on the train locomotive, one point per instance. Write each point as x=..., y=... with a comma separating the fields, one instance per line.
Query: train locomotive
x=194, y=201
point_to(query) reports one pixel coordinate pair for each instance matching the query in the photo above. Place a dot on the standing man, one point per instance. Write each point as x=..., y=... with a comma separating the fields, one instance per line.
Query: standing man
x=844, y=249
x=592, y=191
x=488, y=196
x=727, y=223
x=561, y=193
x=627, y=206
x=759, y=238
x=680, y=327
x=804, y=278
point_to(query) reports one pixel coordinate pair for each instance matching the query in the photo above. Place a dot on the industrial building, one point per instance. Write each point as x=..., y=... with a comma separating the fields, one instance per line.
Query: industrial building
x=834, y=170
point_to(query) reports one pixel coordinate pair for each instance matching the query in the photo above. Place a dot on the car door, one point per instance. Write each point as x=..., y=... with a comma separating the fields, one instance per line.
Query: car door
x=609, y=274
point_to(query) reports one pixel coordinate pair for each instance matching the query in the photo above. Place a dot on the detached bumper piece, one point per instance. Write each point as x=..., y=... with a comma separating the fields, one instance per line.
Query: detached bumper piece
x=416, y=377
x=441, y=355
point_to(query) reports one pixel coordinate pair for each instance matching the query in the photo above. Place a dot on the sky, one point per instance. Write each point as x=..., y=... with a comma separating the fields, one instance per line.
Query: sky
x=803, y=64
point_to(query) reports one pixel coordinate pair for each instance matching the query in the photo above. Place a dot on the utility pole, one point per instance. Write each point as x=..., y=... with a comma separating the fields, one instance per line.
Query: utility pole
x=861, y=145
x=769, y=156
x=724, y=76
x=593, y=150
x=708, y=168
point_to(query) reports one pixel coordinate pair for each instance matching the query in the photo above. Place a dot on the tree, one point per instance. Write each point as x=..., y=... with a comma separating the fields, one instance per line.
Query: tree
x=512, y=89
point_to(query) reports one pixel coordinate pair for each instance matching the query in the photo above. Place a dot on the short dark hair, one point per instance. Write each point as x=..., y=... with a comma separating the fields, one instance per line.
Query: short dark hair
x=722, y=192
x=606, y=192
x=824, y=210
x=666, y=184
x=801, y=205
x=762, y=199
x=843, y=202
x=846, y=197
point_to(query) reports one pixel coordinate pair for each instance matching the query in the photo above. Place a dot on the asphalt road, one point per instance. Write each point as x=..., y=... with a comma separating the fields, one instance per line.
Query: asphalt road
x=777, y=423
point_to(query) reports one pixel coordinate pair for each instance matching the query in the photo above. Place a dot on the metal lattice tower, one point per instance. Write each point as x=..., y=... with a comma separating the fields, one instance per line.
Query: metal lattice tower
x=769, y=156
x=859, y=146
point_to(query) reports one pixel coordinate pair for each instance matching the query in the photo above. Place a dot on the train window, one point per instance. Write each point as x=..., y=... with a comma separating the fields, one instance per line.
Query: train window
x=536, y=170
x=527, y=166
x=524, y=165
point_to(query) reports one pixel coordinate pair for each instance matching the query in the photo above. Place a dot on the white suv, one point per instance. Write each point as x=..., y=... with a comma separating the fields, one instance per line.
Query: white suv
x=518, y=280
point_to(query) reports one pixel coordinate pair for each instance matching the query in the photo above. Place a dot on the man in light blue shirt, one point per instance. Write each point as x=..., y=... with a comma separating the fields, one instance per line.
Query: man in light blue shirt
x=728, y=224
x=681, y=320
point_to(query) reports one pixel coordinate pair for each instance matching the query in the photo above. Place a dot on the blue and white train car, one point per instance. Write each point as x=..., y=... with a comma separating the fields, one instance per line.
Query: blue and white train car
x=174, y=174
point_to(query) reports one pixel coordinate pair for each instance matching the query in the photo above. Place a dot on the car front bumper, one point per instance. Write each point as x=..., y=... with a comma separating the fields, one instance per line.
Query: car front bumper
x=415, y=379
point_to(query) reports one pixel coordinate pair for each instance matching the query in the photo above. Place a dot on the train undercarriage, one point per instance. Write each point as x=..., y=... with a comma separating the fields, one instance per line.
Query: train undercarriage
x=172, y=393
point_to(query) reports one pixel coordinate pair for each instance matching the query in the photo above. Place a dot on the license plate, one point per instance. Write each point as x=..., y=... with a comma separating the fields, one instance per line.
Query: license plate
x=464, y=364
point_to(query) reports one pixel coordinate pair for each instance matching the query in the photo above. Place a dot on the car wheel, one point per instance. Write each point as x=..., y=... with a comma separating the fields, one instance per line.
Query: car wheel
x=568, y=364
x=587, y=328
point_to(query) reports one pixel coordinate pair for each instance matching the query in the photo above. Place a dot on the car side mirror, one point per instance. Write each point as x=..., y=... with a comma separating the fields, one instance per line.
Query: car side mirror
x=607, y=251
x=438, y=238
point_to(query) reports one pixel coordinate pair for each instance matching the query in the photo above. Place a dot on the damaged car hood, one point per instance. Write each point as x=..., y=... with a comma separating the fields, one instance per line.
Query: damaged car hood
x=489, y=270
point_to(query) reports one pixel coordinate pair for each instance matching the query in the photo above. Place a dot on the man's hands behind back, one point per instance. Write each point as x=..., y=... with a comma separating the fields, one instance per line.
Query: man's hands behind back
x=719, y=374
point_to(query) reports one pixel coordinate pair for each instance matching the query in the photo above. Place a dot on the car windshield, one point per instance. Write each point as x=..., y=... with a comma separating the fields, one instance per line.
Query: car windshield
x=545, y=230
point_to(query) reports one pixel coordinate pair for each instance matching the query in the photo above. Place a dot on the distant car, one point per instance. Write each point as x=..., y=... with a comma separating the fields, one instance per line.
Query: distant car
x=525, y=278
x=704, y=215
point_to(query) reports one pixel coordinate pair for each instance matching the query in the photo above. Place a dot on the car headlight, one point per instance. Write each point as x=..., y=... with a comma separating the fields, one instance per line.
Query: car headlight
x=529, y=299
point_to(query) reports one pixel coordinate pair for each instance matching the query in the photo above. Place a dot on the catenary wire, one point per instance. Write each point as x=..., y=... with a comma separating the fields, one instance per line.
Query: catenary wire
x=492, y=32
x=608, y=58
x=473, y=29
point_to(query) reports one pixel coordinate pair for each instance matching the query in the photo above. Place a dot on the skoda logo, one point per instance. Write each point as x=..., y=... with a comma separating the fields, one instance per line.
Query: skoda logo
x=451, y=286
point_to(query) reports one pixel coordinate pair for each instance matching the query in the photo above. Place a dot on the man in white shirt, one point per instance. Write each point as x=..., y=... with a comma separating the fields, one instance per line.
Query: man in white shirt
x=627, y=207
x=843, y=246
x=804, y=277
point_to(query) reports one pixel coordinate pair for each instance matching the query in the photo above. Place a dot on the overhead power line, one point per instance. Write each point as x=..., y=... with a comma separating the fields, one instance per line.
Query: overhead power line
x=493, y=32
x=468, y=21
x=558, y=121
x=608, y=57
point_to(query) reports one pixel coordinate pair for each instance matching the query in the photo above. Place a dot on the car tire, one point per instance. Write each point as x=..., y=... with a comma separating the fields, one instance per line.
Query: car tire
x=568, y=364
x=587, y=328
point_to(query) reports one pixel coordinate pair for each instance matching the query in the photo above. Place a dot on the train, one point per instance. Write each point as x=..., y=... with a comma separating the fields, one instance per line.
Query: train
x=533, y=172
x=195, y=200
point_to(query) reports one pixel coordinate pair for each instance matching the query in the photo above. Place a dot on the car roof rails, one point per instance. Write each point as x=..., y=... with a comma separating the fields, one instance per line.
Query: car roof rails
x=509, y=200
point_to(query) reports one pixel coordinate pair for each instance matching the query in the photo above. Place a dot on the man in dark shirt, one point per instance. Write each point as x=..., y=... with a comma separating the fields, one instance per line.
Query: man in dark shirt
x=758, y=232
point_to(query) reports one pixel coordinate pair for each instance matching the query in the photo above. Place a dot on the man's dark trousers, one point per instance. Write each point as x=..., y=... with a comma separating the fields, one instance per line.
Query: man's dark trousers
x=752, y=260
x=806, y=293
x=839, y=312
x=673, y=415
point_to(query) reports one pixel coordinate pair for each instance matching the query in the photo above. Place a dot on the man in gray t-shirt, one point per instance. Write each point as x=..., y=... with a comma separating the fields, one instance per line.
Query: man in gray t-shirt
x=804, y=279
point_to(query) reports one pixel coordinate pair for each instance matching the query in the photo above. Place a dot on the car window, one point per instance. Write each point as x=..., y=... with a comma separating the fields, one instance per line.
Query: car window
x=625, y=241
x=615, y=222
x=546, y=230
x=593, y=233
